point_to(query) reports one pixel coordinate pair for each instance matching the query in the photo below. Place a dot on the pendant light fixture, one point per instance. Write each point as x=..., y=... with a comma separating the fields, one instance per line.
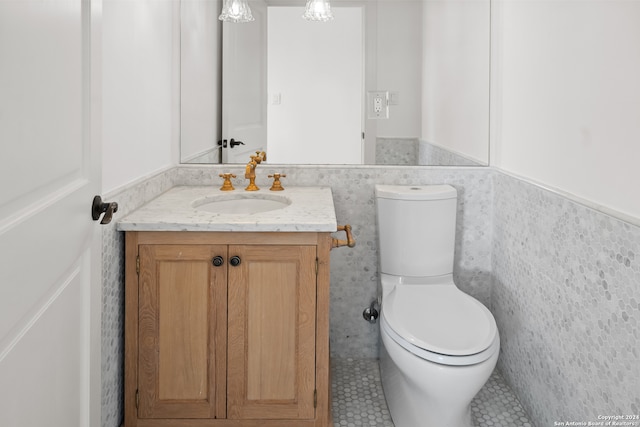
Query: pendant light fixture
x=318, y=10
x=236, y=11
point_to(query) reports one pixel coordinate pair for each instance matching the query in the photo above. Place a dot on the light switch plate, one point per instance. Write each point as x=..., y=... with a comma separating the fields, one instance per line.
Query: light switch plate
x=394, y=98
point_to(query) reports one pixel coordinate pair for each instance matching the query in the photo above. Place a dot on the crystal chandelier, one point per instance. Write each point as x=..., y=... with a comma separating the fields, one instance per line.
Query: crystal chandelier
x=236, y=11
x=318, y=10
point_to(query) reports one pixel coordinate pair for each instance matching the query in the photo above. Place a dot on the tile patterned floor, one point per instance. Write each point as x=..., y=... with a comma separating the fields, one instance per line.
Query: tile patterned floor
x=358, y=399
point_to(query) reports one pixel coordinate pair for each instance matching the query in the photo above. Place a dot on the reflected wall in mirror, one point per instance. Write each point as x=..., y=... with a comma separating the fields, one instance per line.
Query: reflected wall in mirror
x=397, y=82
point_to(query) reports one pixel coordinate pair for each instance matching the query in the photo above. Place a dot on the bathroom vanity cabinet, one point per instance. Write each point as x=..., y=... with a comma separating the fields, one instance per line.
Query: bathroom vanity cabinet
x=227, y=329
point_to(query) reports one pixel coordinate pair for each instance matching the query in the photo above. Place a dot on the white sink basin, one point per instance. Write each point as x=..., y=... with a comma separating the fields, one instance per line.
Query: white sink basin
x=244, y=203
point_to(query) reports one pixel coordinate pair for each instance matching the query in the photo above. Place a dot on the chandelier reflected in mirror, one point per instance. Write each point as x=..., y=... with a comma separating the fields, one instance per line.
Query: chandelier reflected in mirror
x=318, y=10
x=236, y=11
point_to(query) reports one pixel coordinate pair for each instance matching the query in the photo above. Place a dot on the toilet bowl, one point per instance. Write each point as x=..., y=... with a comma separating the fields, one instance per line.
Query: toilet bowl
x=439, y=345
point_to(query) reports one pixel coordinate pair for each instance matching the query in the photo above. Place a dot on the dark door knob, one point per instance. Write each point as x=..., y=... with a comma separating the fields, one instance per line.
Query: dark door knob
x=98, y=207
x=233, y=143
x=235, y=261
x=217, y=261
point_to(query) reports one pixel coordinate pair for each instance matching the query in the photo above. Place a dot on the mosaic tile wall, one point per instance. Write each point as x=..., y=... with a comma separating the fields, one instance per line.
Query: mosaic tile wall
x=128, y=200
x=412, y=151
x=566, y=298
x=354, y=273
x=397, y=151
x=431, y=154
x=567, y=279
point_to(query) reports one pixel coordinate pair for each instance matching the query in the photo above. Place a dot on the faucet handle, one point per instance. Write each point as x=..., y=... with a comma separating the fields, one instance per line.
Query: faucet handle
x=226, y=185
x=277, y=186
x=260, y=156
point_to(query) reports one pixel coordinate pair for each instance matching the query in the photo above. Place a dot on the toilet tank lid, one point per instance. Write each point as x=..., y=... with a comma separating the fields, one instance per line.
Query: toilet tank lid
x=416, y=192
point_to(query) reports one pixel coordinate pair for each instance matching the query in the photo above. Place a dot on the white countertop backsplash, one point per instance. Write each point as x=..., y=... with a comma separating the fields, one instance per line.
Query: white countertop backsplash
x=311, y=209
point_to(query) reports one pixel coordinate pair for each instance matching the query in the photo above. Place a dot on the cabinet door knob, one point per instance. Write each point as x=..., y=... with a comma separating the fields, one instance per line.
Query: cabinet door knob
x=217, y=261
x=235, y=261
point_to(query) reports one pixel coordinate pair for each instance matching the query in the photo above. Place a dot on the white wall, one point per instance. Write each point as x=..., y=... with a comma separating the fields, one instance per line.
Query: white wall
x=455, y=87
x=565, y=106
x=200, y=115
x=317, y=69
x=140, y=130
x=399, y=65
x=567, y=97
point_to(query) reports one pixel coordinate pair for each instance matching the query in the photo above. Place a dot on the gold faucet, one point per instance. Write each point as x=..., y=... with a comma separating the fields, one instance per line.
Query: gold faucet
x=250, y=171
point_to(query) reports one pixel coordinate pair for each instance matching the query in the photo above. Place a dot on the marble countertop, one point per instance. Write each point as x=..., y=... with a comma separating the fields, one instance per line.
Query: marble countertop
x=311, y=209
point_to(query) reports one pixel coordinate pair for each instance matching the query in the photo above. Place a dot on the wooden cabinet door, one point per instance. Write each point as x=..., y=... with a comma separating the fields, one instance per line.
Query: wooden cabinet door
x=271, y=341
x=182, y=332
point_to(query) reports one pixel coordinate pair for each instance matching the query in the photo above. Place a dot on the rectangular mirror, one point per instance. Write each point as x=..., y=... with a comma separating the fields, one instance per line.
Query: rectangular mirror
x=395, y=82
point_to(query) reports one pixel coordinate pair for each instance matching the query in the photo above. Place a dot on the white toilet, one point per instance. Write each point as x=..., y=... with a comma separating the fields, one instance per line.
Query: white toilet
x=439, y=345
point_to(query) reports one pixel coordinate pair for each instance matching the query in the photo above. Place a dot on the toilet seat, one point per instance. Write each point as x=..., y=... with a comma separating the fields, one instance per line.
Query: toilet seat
x=440, y=323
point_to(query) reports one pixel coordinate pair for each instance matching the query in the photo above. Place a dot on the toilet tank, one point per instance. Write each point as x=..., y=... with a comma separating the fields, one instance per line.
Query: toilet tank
x=416, y=229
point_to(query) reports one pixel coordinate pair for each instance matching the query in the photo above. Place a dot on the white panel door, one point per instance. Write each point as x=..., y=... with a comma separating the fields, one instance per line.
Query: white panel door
x=49, y=246
x=315, y=73
x=244, y=85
